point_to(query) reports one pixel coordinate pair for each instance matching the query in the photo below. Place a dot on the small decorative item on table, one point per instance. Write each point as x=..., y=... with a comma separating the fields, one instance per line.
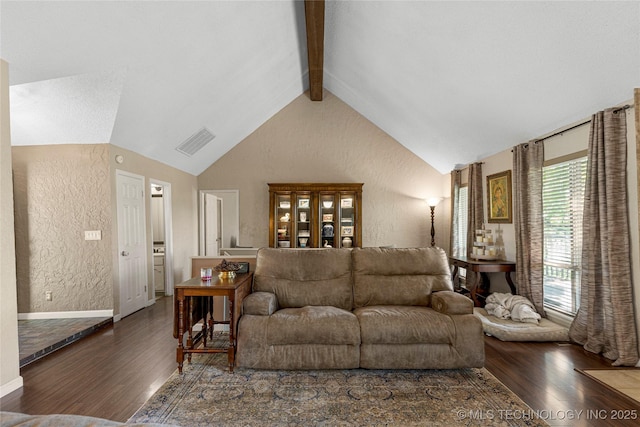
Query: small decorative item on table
x=205, y=274
x=227, y=270
x=484, y=247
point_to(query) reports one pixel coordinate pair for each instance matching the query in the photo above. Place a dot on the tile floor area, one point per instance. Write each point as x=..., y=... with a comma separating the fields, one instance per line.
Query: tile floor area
x=37, y=338
x=625, y=381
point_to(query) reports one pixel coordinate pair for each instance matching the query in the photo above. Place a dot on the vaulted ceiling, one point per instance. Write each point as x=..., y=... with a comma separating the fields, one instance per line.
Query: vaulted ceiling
x=453, y=82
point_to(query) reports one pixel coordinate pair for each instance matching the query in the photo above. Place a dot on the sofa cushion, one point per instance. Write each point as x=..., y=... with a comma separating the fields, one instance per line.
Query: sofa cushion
x=260, y=304
x=449, y=302
x=399, y=276
x=301, y=277
x=313, y=325
x=404, y=325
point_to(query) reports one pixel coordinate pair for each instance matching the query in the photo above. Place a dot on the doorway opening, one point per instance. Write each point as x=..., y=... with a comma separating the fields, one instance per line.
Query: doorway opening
x=219, y=221
x=219, y=230
x=161, y=238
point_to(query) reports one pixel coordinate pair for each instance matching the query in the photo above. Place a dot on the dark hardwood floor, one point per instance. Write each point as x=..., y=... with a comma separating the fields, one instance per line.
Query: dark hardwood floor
x=546, y=377
x=111, y=373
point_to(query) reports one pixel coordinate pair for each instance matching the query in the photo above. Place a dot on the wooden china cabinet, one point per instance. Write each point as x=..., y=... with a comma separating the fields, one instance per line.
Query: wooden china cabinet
x=315, y=215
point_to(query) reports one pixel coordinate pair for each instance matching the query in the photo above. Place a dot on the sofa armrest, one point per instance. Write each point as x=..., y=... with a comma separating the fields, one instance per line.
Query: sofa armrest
x=260, y=304
x=448, y=302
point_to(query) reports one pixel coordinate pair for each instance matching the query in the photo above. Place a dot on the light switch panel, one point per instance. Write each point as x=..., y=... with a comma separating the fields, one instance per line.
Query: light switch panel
x=93, y=235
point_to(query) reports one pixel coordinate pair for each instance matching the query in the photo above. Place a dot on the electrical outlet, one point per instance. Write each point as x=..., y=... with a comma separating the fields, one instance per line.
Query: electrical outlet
x=48, y=296
x=93, y=235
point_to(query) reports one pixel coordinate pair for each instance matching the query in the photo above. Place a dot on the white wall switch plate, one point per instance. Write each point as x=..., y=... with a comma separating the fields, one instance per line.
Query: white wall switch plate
x=93, y=235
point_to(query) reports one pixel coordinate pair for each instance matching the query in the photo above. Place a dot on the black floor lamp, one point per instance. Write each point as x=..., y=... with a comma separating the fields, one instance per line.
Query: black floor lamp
x=433, y=202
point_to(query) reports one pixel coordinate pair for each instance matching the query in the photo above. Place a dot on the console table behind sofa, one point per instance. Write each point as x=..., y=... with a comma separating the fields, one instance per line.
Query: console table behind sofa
x=198, y=262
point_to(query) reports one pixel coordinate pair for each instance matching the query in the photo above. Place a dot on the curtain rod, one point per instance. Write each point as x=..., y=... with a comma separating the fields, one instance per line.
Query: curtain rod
x=624, y=107
x=467, y=166
x=564, y=130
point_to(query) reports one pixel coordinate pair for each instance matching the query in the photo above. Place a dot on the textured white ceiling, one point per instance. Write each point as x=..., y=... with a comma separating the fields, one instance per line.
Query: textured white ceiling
x=69, y=110
x=452, y=81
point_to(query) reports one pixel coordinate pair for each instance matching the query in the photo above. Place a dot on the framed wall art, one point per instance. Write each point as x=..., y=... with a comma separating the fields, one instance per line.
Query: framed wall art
x=499, y=197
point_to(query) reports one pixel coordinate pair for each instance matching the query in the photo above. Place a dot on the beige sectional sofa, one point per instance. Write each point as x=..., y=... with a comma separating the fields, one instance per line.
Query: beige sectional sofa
x=373, y=308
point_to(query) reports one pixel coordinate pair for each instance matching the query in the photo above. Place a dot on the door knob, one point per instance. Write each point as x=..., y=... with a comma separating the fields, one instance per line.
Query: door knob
x=124, y=253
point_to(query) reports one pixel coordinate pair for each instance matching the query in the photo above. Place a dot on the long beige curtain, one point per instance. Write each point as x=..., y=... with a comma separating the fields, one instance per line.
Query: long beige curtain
x=528, y=160
x=605, y=321
x=475, y=219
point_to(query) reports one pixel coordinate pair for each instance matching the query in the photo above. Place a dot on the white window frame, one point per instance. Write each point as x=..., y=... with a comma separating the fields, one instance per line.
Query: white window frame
x=563, y=204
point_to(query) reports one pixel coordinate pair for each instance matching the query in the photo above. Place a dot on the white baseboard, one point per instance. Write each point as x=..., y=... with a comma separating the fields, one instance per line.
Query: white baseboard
x=12, y=385
x=65, y=314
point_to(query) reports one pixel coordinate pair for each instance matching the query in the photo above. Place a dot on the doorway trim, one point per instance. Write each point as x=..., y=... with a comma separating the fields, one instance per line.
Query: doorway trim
x=235, y=203
x=168, y=237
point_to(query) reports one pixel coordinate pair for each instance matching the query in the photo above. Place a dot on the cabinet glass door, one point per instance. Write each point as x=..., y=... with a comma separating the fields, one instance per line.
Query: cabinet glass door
x=283, y=218
x=315, y=215
x=347, y=219
x=303, y=221
x=327, y=221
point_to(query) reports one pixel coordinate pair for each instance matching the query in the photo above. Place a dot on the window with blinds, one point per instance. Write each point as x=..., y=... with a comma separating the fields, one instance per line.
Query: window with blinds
x=459, y=241
x=563, y=187
x=460, y=223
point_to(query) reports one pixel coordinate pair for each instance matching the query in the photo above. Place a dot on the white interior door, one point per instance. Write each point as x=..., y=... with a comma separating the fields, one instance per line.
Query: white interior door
x=132, y=246
x=212, y=224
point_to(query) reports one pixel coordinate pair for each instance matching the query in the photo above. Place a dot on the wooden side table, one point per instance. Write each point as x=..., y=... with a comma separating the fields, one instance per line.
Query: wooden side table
x=234, y=289
x=481, y=285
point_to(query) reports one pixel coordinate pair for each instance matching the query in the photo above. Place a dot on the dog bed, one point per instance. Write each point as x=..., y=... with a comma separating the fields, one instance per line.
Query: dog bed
x=509, y=330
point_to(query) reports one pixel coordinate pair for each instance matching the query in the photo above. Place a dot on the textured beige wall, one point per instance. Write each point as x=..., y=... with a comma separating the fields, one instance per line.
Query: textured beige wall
x=328, y=141
x=63, y=190
x=60, y=191
x=9, y=368
x=184, y=213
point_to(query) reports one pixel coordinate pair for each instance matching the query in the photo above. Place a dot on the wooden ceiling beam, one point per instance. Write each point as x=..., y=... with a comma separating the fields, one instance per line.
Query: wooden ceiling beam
x=314, y=16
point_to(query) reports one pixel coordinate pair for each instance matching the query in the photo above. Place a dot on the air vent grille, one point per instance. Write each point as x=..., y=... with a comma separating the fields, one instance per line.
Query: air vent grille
x=195, y=142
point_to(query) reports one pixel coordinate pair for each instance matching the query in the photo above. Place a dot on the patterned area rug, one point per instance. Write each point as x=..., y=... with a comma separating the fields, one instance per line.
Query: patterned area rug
x=207, y=394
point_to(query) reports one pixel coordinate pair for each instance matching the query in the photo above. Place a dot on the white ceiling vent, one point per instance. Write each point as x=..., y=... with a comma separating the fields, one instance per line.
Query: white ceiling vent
x=195, y=142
